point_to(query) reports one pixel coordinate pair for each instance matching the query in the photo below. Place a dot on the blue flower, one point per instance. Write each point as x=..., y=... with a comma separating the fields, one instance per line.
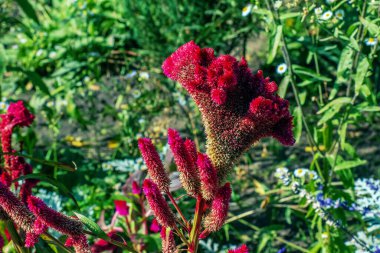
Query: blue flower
x=282, y=250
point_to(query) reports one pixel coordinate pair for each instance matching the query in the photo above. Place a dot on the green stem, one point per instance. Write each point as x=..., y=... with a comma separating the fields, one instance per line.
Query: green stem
x=194, y=234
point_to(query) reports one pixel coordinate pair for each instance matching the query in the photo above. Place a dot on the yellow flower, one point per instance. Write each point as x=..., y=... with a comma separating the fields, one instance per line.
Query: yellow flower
x=113, y=144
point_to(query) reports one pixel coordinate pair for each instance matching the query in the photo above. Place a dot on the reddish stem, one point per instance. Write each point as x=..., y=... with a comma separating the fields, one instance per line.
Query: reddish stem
x=178, y=209
x=194, y=234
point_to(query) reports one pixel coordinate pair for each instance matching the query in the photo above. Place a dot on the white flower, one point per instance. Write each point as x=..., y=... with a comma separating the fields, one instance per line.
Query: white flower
x=52, y=55
x=277, y=4
x=280, y=172
x=339, y=14
x=318, y=11
x=326, y=15
x=246, y=10
x=144, y=75
x=313, y=175
x=325, y=235
x=39, y=52
x=4, y=106
x=136, y=93
x=371, y=41
x=281, y=69
x=300, y=172
x=22, y=39
x=131, y=74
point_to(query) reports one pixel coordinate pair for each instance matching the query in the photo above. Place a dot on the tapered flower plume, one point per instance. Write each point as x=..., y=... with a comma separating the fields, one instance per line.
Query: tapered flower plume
x=32, y=238
x=168, y=243
x=242, y=249
x=17, y=115
x=152, y=160
x=219, y=209
x=209, y=180
x=54, y=219
x=238, y=108
x=185, y=160
x=160, y=207
x=16, y=210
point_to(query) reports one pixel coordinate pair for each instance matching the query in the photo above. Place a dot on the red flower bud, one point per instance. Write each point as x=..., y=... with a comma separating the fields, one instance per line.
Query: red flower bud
x=135, y=188
x=219, y=209
x=155, y=227
x=185, y=163
x=160, y=207
x=209, y=180
x=121, y=207
x=152, y=160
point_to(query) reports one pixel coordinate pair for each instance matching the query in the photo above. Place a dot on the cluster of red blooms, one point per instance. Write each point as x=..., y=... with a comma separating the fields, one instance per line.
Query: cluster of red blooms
x=27, y=212
x=238, y=108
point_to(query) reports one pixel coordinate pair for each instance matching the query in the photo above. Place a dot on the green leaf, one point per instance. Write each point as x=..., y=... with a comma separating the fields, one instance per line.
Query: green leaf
x=92, y=226
x=349, y=164
x=361, y=74
x=297, y=122
x=52, y=181
x=28, y=9
x=371, y=109
x=283, y=86
x=276, y=43
x=372, y=27
x=344, y=64
x=336, y=102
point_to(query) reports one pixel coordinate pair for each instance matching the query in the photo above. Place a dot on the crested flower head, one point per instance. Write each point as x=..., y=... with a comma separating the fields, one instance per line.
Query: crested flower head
x=54, y=219
x=238, y=108
x=121, y=207
x=219, y=209
x=242, y=249
x=17, y=115
x=152, y=160
x=168, y=243
x=185, y=162
x=157, y=203
x=209, y=180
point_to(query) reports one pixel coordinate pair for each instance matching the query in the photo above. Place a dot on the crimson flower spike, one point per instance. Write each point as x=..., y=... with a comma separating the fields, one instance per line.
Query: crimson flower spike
x=152, y=160
x=168, y=243
x=16, y=210
x=17, y=115
x=185, y=162
x=62, y=223
x=238, y=108
x=219, y=209
x=160, y=207
x=209, y=180
x=242, y=249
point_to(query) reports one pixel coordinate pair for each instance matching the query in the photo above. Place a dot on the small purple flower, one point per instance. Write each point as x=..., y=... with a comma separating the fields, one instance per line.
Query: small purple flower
x=282, y=250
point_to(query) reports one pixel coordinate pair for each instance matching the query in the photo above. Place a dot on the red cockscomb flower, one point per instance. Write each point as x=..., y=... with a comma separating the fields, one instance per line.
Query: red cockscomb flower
x=160, y=207
x=238, y=108
x=242, y=249
x=185, y=162
x=219, y=209
x=152, y=160
x=17, y=115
